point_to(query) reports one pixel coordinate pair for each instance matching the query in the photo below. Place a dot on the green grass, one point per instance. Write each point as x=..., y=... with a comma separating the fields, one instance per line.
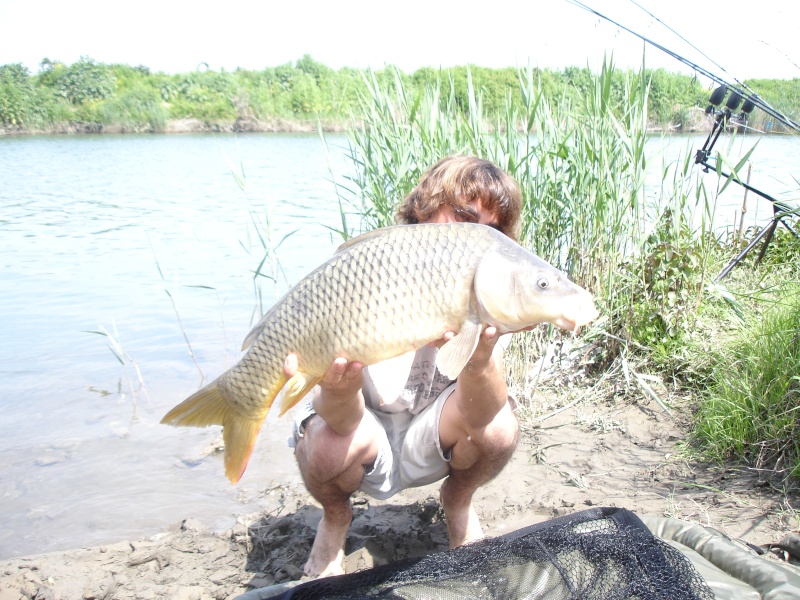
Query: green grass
x=750, y=411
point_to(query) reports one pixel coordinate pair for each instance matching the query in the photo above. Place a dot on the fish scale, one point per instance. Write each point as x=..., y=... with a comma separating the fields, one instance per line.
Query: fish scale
x=382, y=294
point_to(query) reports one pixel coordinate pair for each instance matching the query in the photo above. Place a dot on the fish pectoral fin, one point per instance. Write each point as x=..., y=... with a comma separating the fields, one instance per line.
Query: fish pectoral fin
x=240, y=435
x=296, y=388
x=454, y=354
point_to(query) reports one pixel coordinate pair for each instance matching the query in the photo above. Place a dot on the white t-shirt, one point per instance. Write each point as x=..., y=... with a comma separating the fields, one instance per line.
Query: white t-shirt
x=409, y=382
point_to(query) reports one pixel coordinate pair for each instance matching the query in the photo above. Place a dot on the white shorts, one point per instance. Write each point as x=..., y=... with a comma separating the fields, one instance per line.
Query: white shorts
x=409, y=452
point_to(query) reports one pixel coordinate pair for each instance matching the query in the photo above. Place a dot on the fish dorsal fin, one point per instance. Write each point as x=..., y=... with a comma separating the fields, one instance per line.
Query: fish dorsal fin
x=361, y=238
x=454, y=354
x=254, y=332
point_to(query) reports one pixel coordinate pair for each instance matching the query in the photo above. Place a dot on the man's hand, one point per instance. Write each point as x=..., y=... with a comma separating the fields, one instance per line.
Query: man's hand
x=483, y=351
x=338, y=399
x=341, y=382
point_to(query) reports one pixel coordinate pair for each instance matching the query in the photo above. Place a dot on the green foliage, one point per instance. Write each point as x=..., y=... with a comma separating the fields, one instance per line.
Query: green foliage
x=317, y=71
x=495, y=86
x=667, y=289
x=668, y=270
x=781, y=94
x=783, y=253
x=306, y=97
x=750, y=411
x=671, y=94
x=776, y=91
x=15, y=94
x=138, y=108
x=22, y=104
x=85, y=81
x=305, y=90
x=15, y=75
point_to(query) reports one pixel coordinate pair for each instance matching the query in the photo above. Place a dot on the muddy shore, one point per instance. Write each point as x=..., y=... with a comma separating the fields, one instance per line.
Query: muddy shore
x=590, y=454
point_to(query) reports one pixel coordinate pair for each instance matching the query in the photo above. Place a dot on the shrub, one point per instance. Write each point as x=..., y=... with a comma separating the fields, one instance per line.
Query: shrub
x=138, y=108
x=84, y=81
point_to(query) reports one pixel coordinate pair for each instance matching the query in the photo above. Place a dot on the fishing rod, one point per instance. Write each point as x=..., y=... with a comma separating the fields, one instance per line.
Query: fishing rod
x=743, y=90
x=722, y=117
x=779, y=209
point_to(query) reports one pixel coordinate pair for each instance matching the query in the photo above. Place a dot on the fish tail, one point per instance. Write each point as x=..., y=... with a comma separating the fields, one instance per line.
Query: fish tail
x=209, y=406
x=240, y=437
x=205, y=407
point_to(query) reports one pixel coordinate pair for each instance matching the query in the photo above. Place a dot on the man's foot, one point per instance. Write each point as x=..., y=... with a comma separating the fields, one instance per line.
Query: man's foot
x=327, y=553
x=463, y=525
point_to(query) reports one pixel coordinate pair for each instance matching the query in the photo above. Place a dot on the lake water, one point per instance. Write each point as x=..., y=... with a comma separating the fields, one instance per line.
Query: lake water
x=104, y=232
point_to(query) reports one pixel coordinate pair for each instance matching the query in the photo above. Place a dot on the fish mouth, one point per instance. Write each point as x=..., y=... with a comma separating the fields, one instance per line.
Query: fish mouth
x=573, y=323
x=566, y=324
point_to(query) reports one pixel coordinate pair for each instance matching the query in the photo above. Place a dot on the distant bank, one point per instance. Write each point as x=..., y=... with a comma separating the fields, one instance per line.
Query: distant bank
x=92, y=97
x=185, y=125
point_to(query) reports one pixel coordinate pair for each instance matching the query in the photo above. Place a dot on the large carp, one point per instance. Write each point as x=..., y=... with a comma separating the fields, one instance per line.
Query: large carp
x=383, y=294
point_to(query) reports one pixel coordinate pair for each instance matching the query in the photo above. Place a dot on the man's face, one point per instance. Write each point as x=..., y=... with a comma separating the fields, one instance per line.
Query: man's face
x=471, y=213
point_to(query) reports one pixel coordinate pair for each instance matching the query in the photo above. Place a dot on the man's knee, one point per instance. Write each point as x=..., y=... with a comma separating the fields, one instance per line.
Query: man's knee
x=321, y=454
x=489, y=448
x=324, y=455
x=502, y=435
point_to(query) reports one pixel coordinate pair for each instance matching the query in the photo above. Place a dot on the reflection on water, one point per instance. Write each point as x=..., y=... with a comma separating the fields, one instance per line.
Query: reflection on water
x=106, y=231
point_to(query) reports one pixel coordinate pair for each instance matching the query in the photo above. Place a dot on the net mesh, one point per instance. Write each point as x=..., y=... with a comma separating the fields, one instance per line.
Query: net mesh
x=599, y=553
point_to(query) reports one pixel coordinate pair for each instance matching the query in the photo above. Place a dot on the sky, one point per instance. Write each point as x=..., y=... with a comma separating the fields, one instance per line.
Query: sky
x=177, y=36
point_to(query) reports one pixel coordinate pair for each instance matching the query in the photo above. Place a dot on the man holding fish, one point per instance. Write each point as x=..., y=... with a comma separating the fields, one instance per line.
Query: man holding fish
x=424, y=304
x=353, y=437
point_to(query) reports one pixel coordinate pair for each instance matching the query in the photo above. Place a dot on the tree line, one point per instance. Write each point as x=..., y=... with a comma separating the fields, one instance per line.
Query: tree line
x=88, y=95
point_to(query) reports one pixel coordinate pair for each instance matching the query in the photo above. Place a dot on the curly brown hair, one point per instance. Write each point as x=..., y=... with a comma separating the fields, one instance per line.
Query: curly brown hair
x=459, y=180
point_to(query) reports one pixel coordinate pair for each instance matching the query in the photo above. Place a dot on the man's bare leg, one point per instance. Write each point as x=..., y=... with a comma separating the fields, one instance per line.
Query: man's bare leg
x=327, y=553
x=476, y=460
x=332, y=467
x=463, y=525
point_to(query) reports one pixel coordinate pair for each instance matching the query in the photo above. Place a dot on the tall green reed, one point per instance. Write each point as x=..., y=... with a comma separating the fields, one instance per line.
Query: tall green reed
x=582, y=169
x=397, y=134
x=125, y=359
x=261, y=239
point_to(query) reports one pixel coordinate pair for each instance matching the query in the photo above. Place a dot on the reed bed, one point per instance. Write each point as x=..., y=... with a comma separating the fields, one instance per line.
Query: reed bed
x=647, y=252
x=582, y=170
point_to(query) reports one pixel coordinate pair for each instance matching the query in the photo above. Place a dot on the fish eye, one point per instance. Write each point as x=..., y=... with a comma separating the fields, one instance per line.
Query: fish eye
x=543, y=283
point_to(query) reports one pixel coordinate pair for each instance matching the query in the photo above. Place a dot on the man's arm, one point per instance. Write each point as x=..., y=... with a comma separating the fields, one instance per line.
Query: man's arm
x=338, y=399
x=340, y=403
x=482, y=385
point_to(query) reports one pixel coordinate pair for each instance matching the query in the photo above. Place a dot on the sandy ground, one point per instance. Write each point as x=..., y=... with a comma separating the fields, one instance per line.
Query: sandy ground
x=621, y=454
